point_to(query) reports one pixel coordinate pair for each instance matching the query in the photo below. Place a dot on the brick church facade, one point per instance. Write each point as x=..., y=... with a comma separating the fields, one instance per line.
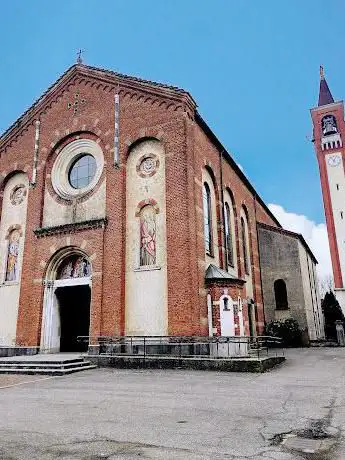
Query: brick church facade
x=123, y=214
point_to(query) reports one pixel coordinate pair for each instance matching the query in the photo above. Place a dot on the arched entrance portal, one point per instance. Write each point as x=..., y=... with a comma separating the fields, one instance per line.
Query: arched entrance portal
x=67, y=301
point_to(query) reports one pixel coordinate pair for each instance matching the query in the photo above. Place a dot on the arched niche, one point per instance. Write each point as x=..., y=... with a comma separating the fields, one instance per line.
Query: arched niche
x=146, y=310
x=280, y=295
x=15, y=188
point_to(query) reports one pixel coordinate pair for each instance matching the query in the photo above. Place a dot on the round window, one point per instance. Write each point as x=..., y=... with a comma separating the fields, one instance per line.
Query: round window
x=82, y=171
x=77, y=169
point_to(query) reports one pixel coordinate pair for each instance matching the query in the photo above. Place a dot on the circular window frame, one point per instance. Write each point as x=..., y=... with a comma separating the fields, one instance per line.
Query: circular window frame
x=64, y=161
x=151, y=156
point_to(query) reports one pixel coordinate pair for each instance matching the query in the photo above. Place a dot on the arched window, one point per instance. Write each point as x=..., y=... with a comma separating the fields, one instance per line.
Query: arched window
x=147, y=236
x=244, y=246
x=280, y=294
x=206, y=197
x=228, y=236
x=12, y=266
x=329, y=125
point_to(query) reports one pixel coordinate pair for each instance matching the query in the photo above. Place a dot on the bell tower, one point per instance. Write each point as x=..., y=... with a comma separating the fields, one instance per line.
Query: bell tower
x=329, y=138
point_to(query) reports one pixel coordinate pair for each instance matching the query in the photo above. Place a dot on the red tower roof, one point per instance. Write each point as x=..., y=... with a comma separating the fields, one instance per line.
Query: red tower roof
x=325, y=95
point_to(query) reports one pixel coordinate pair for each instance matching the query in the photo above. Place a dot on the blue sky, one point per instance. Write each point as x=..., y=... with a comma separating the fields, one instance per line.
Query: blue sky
x=252, y=66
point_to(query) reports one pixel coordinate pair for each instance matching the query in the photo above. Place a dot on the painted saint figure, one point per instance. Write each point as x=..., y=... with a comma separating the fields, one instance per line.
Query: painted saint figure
x=75, y=267
x=12, y=257
x=81, y=268
x=147, y=236
x=66, y=271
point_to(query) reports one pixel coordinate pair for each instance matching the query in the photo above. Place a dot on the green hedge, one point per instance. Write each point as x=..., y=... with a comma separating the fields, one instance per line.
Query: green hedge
x=287, y=329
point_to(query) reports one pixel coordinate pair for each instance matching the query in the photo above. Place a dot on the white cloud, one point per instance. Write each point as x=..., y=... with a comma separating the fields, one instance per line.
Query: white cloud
x=314, y=234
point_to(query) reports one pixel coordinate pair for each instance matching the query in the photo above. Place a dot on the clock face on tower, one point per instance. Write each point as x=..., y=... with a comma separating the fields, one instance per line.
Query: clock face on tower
x=334, y=160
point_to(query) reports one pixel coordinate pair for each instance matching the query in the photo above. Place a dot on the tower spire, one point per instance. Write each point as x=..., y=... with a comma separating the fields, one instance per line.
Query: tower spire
x=325, y=95
x=322, y=73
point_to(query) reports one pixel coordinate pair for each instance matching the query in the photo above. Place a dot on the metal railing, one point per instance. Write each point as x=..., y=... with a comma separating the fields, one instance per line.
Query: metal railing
x=185, y=346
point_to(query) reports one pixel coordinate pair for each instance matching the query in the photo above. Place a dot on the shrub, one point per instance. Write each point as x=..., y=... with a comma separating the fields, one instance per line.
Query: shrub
x=287, y=329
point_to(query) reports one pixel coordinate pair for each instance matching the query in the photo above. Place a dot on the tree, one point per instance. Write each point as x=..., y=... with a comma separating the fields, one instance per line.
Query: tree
x=332, y=312
x=326, y=284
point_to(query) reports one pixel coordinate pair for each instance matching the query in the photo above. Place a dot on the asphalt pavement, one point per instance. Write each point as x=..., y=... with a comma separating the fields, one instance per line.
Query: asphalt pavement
x=173, y=414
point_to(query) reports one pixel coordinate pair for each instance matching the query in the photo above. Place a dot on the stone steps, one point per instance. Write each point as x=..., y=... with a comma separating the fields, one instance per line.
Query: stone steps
x=44, y=366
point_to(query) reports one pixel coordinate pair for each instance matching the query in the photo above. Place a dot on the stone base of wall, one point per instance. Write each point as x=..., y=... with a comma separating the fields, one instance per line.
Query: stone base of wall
x=18, y=351
x=94, y=350
x=171, y=362
x=232, y=349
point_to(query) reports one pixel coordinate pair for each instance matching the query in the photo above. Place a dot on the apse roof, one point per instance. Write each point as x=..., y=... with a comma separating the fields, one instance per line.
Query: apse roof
x=215, y=273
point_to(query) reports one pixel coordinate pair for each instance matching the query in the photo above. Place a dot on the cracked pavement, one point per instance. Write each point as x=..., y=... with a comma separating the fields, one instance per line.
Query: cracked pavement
x=174, y=414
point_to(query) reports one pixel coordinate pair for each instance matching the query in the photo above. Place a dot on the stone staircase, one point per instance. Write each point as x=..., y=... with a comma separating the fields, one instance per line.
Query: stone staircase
x=45, y=364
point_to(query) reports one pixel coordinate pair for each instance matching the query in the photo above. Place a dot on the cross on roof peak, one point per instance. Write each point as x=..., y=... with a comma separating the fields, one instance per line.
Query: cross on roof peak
x=80, y=56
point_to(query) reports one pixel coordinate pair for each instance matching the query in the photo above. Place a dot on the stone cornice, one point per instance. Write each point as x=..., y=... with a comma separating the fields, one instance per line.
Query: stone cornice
x=70, y=228
x=112, y=79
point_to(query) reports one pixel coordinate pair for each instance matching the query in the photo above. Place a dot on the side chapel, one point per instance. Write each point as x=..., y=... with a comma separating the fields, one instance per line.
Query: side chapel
x=123, y=214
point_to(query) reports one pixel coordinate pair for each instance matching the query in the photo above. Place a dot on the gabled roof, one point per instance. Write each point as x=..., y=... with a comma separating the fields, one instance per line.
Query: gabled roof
x=164, y=90
x=298, y=236
x=97, y=72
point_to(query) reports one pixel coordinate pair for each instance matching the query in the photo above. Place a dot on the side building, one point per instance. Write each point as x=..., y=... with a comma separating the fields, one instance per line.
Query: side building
x=289, y=280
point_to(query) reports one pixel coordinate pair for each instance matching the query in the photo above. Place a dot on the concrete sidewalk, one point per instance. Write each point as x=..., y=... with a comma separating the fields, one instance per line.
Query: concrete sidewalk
x=173, y=414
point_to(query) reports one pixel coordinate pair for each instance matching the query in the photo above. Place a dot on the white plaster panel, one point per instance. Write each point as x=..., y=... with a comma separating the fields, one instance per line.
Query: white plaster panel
x=146, y=288
x=209, y=315
x=56, y=213
x=10, y=291
x=336, y=177
x=227, y=323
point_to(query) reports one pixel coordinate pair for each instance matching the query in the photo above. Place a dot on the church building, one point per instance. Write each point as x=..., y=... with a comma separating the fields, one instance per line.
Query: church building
x=123, y=214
